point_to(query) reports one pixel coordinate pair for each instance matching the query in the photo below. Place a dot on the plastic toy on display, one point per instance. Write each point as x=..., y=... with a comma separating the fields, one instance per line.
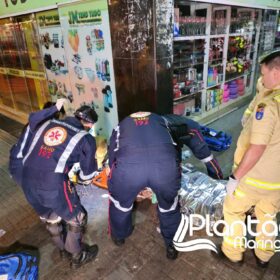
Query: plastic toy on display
x=89, y=45
x=79, y=72
x=52, y=87
x=48, y=61
x=62, y=42
x=55, y=40
x=76, y=58
x=95, y=92
x=46, y=40
x=107, y=98
x=103, y=69
x=98, y=41
x=73, y=39
x=90, y=74
x=80, y=88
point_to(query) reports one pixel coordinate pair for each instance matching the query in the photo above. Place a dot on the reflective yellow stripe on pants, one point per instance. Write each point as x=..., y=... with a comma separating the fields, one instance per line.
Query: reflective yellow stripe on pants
x=262, y=185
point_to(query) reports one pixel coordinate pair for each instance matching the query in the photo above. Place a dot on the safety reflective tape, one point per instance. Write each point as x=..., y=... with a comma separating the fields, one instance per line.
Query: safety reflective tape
x=235, y=165
x=35, y=75
x=262, y=185
x=230, y=241
x=277, y=98
x=248, y=111
x=118, y=205
x=264, y=246
x=66, y=124
x=239, y=193
x=68, y=150
x=117, y=129
x=169, y=132
x=205, y=160
x=20, y=155
x=172, y=208
x=15, y=72
x=3, y=70
x=35, y=140
x=51, y=221
x=88, y=177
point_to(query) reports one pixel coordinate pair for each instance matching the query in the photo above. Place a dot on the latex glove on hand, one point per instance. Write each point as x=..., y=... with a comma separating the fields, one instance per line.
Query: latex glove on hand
x=107, y=170
x=231, y=186
x=59, y=103
x=85, y=183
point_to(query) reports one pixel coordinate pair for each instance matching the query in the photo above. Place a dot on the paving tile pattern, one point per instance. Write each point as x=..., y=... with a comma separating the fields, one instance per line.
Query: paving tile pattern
x=142, y=256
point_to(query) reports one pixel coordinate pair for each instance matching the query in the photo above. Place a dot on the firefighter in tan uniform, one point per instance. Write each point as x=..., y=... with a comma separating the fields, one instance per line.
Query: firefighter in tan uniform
x=256, y=177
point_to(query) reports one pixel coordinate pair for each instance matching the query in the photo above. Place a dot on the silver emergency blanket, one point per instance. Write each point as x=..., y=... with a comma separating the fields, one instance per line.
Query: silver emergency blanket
x=200, y=194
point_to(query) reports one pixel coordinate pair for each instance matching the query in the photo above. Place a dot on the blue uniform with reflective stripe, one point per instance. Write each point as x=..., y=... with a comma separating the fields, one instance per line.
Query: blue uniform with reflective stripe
x=143, y=154
x=19, y=150
x=195, y=143
x=56, y=146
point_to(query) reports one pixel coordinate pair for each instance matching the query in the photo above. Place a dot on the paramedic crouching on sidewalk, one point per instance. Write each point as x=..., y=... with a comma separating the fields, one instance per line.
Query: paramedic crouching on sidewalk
x=56, y=146
x=142, y=153
x=256, y=177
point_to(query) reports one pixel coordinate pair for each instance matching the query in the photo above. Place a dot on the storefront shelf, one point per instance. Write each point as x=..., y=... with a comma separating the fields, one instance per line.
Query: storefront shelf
x=184, y=97
x=189, y=38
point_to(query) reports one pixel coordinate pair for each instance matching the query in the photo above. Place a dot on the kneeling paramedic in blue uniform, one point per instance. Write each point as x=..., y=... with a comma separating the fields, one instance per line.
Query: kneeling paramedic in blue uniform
x=19, y=149
x=195, y=142
x=143, y=153
x=56, y=146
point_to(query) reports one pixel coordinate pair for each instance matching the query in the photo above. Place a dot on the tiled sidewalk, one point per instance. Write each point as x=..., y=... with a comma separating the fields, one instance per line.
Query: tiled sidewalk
x=142, y=256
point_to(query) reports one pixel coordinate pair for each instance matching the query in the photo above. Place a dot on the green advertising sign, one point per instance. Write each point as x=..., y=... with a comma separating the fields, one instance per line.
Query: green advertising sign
x=48, y=18
x=84, y=13
x=8, y=7
x=265, y=4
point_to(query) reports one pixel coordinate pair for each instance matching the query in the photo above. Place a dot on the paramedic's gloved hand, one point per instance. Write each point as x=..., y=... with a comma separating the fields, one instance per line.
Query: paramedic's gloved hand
x=85, y=183
x=107, y=170
x=231, y=185
x=59, y=103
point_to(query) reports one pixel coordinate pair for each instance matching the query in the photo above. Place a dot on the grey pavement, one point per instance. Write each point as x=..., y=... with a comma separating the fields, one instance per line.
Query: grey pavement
x=142, y=256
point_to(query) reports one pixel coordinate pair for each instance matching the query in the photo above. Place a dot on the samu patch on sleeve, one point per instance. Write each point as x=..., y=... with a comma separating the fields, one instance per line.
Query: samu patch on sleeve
x=260, y=111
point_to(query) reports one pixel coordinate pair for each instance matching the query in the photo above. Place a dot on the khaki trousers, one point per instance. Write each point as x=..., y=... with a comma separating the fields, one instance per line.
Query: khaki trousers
x=267, y=204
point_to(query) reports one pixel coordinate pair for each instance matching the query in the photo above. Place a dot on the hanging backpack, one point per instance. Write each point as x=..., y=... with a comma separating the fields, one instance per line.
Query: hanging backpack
x=18, y=266
x=216, y=140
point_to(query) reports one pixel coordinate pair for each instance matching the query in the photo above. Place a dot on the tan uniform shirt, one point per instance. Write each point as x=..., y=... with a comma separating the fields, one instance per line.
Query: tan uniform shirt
x=260, y=93
x=263, y=128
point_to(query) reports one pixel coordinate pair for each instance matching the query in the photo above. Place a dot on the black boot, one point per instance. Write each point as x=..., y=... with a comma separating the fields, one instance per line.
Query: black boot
x=118, y=242
x=171, y=252
x=85, y=256
x=64, y=255
x=260, y=263
x=220, y=255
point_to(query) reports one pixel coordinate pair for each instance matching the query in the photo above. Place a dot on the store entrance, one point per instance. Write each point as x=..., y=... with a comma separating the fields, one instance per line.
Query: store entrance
x=23, y=83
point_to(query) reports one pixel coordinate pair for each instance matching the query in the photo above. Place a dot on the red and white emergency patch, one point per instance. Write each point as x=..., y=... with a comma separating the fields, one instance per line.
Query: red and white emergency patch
x=140, y=115
x=141, y=118
x=55, y=136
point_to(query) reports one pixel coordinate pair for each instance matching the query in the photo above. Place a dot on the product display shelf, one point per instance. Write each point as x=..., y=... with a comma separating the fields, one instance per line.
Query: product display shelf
x=219, y=110
x=185, y=97
x=238, y=77
x=189, y=38
x=216, y=85
x=186, y=65
x=217, y=54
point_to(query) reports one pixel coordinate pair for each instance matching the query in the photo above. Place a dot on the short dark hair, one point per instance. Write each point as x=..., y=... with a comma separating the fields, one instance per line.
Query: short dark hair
x=271, y=60
x=87, y=114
